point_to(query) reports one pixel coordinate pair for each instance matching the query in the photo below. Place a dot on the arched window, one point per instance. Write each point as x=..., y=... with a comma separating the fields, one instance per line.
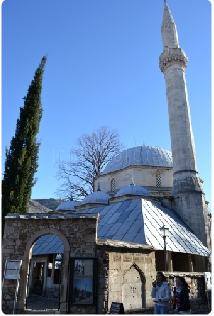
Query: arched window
x=158, y=179
x=113, y=185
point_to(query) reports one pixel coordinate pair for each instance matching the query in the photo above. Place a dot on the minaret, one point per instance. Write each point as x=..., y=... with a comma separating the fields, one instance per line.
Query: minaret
x=187, y=189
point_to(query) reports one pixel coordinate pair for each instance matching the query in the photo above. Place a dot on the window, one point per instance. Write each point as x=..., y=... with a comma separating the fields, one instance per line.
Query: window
x=158, y=179
x=113, y=185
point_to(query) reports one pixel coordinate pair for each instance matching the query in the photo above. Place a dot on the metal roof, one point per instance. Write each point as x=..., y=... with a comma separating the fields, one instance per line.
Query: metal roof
x=97, y=197
x=140, y=156
x=139, y=220
x=48, y=244
x=67, y=206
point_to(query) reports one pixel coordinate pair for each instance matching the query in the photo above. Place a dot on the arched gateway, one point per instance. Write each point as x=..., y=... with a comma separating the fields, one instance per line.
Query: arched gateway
x=21, y=232
x=28, y=255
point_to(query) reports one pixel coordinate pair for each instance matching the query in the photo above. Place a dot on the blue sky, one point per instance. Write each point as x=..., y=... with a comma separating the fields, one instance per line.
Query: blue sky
x=102, y=70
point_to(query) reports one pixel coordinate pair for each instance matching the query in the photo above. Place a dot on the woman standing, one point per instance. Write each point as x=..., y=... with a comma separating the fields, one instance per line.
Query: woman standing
x=181, y=296
x=161, y=294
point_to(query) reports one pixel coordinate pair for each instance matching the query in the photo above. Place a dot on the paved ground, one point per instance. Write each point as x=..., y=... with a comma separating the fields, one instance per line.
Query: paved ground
x=41, y=303
x=196, y=309
x=150, y=311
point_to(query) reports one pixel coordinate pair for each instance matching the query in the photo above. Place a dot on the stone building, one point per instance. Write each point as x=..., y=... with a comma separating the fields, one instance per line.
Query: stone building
x=111, y=243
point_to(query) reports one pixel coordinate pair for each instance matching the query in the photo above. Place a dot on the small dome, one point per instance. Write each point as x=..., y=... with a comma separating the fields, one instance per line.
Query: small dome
x=97, y=197
x=67, y=206
x=132, y=190
x=140, y=156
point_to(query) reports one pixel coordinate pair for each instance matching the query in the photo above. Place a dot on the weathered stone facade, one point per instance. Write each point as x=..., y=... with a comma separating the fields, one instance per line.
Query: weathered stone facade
x=139, y=175
x=79, y=238
x=121, y=273
x=130, y=278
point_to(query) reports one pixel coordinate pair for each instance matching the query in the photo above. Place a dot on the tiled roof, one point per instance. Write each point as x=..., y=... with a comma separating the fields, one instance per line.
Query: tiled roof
x=140, y=156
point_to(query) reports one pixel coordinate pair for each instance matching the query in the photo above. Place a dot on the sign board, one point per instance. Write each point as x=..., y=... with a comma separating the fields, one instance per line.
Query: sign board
x=116, y=308
x=83, y=281
x=12, y=269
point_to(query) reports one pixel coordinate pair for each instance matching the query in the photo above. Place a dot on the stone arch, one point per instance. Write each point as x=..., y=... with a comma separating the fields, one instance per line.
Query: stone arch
x=134, y=288
x=25, y=266
x=47, y=231
x=21, y=231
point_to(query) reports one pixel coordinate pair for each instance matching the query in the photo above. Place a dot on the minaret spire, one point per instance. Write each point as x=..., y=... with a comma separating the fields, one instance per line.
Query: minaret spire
x=168, y=29
x=186, y=185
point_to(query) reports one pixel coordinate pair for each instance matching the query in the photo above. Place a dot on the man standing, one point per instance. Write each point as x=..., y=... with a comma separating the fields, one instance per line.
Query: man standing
x=161, y=294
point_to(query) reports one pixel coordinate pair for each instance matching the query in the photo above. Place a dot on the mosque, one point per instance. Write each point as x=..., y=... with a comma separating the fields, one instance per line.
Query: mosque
x=150, y=209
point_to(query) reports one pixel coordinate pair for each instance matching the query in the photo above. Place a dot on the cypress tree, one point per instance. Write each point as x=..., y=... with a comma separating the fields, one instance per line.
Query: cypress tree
x=22, y=157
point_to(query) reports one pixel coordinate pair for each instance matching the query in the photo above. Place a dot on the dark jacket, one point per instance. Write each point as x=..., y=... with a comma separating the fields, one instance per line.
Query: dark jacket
x=182, y=300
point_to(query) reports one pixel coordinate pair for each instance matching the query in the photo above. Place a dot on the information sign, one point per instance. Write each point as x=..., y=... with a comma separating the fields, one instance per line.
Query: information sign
x=116, y=308
x=12, y=269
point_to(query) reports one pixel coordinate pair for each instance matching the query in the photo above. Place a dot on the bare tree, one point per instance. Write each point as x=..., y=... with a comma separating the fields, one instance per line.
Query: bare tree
x=86, y=162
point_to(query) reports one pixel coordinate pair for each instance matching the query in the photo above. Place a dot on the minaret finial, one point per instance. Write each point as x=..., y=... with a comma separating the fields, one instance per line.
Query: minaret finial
x=168, y=29
x=132, y=179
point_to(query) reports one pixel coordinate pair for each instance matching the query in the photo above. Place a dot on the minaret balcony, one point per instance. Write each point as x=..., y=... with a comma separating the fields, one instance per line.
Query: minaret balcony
x=172, y=56
x=187, y=184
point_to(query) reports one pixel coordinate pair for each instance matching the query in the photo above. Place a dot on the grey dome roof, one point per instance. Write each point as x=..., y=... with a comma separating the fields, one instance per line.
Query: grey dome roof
x=132, y=190
x=67, y=206
x=140, y=156
x=97, y=197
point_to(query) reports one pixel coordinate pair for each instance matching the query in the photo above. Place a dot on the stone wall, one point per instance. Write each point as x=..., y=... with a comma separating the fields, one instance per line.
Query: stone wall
x=130, y=278
x=21, y=231
x=195, y=281
x=102, y=280
x=144, y=175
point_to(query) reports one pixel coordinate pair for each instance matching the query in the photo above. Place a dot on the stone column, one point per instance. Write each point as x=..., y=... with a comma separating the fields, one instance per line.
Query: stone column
x=190, y=263
x=170, y=266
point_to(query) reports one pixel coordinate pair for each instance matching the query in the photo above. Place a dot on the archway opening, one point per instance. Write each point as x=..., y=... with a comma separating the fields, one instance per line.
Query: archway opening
x=45, y=273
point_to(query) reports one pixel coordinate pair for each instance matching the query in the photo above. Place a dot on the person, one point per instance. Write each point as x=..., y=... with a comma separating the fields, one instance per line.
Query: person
x=161, y=294
x=181, y=296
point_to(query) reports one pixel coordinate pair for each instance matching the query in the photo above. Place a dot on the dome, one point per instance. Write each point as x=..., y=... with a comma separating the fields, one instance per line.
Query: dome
x=132, y=190
x=67, y=206
x=140, y=156
x=97, y=197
